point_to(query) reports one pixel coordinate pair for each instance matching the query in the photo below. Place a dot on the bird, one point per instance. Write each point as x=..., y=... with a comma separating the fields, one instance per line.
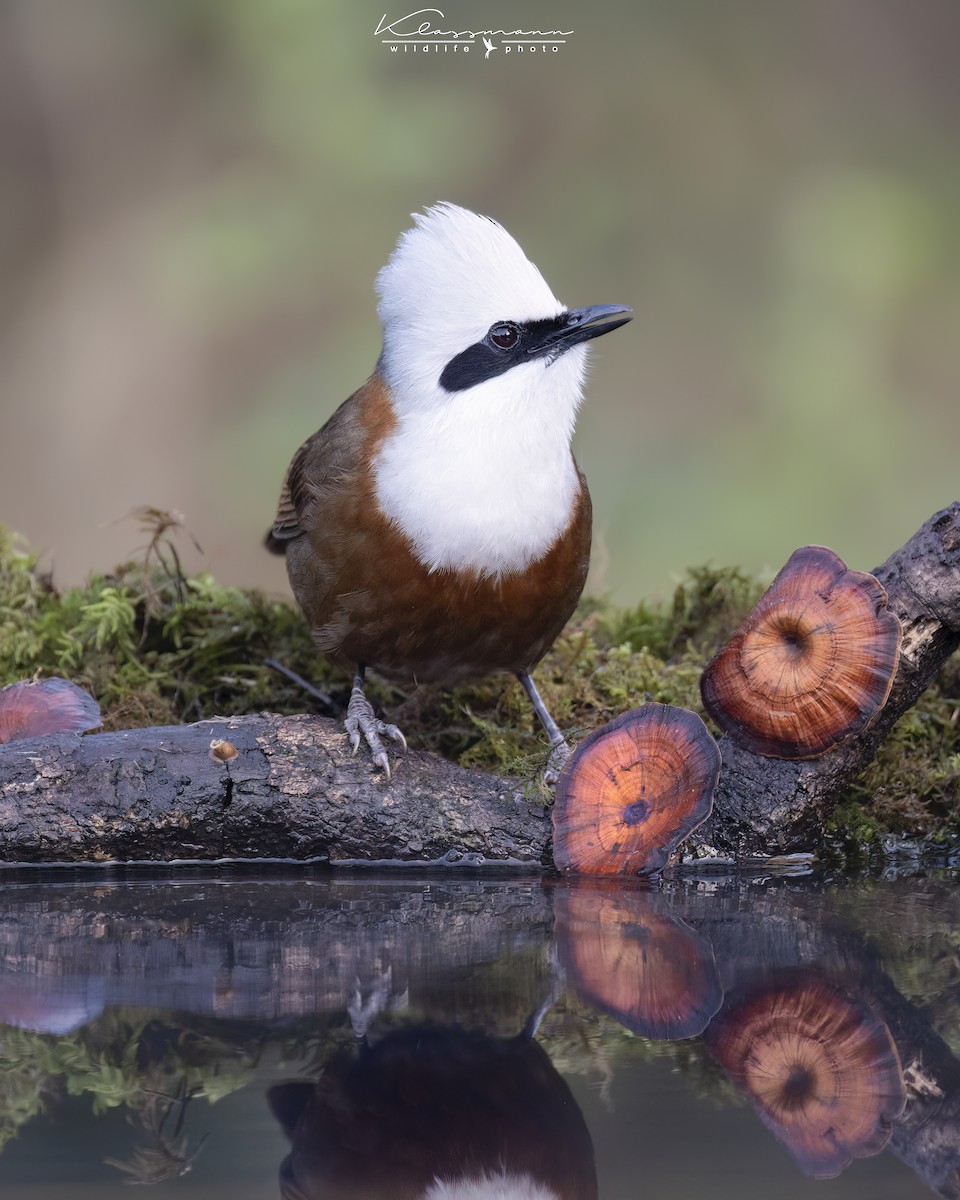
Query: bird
x=434, y=1112
x=437, y=527
x=489, y=47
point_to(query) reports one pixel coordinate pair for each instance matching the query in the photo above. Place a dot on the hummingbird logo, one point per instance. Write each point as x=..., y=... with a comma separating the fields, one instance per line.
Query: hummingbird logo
x=488, y=46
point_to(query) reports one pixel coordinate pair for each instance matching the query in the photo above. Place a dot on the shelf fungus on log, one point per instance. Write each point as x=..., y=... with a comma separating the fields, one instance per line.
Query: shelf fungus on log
x=34, y=707
x=633, y=790
x=628, y=957
x=821, y=1070
x=812, y=665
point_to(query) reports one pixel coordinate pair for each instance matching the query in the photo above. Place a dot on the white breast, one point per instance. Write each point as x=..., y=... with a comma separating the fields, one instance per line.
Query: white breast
x=486, y=481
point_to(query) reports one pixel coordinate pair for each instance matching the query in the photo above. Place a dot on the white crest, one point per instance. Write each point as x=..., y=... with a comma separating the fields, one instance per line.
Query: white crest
x=481, y=480
x=450, y=278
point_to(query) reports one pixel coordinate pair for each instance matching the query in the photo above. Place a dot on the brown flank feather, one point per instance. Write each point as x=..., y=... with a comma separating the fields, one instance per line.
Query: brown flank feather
x=367, y=597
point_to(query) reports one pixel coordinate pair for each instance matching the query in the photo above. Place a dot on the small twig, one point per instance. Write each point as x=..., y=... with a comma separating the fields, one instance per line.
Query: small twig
x=307, y=686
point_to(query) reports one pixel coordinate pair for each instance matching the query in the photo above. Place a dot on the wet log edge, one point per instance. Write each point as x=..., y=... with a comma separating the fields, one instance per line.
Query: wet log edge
x=294, y=791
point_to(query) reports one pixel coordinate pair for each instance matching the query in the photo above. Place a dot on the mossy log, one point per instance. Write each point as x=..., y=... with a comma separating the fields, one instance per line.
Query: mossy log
x=772, y=806
x=294, y=791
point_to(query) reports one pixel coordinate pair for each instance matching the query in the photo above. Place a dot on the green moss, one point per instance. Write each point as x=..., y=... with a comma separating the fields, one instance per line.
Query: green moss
x=853, y=833
x=156, y=647
x=913, y=787
x=153, y=646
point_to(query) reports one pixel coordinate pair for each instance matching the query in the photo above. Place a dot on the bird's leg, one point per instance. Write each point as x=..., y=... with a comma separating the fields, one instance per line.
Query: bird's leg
x=380, y=996
x=559, y=746
x=362, y=719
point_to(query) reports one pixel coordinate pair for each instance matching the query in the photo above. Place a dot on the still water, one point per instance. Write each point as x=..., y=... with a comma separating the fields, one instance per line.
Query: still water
x=234, y=1035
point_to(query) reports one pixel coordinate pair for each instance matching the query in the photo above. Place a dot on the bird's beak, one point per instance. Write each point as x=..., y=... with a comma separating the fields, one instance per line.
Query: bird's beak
x=574, y=326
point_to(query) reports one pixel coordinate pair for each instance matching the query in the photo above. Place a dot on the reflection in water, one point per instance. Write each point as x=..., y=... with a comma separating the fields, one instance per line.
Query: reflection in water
x=49, y=1005
x=166, y=1153
x=821, y=1070
x=397, y=1002
x=627, y=957
x=436, y=1113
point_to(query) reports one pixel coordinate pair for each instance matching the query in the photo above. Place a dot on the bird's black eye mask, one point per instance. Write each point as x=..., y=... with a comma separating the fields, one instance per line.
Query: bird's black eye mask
x=508, y=343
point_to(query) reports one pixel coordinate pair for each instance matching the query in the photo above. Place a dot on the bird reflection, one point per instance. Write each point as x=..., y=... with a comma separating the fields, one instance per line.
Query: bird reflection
x=627, y=956
x=820, y=1069
x=436, y=1113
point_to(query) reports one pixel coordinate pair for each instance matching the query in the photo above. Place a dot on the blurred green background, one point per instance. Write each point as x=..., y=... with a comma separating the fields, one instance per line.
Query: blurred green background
x=197, y=194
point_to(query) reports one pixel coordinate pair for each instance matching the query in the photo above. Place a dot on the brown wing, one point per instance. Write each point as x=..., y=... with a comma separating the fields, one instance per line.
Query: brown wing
x=286, y=524
x=319, y=467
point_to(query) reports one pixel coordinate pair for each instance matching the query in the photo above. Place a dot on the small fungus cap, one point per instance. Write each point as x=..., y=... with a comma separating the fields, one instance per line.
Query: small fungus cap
x=633, y=790
x=813, y=663
x=820, y=1068
x=628, y=957
x=32, y=708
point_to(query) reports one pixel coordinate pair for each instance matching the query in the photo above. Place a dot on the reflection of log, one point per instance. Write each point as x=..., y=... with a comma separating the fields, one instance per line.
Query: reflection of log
x=927, y=1135
x=294, y=791
x=268, y=948
x=814, y=932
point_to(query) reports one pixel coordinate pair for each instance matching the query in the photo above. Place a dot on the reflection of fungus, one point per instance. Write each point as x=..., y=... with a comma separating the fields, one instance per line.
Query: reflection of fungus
x=31, y=708
x=812, y=664
x=821, y=1070
x=633, y=790
x=651, y=971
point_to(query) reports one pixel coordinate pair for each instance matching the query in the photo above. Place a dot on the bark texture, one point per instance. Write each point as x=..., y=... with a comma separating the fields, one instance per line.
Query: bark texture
x=294, y=791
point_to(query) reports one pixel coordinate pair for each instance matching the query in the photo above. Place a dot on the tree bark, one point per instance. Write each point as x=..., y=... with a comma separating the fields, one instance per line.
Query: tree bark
x=295, y=792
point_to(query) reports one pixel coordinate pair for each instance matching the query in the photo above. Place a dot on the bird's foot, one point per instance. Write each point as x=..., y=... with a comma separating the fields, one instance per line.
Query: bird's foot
x=361, y=719
x=381, y=996
x=559, y=753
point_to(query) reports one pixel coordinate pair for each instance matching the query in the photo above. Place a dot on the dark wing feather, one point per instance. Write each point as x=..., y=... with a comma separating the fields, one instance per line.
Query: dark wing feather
x=318, y=467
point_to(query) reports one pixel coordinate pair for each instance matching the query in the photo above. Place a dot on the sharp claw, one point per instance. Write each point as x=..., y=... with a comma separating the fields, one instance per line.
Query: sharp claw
x=393, y=732
x=360, y=719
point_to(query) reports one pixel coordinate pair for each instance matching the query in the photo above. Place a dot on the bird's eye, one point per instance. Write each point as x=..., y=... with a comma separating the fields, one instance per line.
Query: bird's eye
x=505, y=336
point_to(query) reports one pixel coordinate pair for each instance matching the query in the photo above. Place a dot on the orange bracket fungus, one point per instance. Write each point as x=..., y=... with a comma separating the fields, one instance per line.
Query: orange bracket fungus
x=626, y=956
x=821, y=1070
x=31, y=708
x=633, y=790
x=812, y=664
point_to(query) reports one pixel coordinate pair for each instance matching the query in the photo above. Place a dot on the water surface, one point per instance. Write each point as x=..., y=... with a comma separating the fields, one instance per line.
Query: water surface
x=215, y=1034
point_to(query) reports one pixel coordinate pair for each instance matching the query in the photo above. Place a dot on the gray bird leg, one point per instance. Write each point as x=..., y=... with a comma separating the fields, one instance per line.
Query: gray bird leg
x=362, y=719
x=559, y=746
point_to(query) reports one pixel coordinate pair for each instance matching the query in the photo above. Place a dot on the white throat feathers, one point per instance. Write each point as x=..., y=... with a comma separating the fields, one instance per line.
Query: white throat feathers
x=480, y=480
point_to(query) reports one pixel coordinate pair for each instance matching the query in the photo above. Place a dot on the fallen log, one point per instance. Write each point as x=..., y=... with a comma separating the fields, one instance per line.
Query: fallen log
x=293, y=791
x=772, y=806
